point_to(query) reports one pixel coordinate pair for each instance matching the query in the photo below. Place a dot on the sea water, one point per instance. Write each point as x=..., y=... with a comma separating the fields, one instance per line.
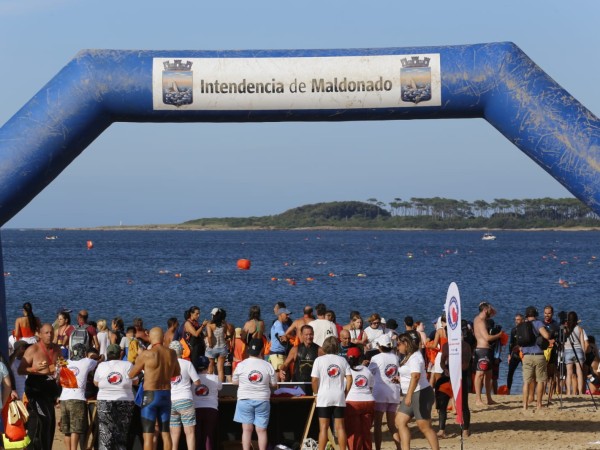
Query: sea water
x=159, y=274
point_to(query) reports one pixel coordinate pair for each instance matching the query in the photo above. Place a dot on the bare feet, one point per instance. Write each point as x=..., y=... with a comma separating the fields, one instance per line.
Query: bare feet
x=480, y=404
x=466, y=433
x=441, y=434
x=492, y=402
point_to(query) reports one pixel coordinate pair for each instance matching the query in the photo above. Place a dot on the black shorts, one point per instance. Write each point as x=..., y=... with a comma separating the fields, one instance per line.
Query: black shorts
x=327, y=412
x=484, y=358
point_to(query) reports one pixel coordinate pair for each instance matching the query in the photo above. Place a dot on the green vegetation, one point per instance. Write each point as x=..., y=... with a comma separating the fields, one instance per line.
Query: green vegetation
x=422, y=213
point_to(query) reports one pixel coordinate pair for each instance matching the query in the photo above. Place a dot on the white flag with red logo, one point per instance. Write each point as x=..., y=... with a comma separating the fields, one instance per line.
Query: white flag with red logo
x=453, y=320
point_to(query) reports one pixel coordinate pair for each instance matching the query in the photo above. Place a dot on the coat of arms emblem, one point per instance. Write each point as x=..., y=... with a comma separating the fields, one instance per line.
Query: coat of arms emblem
x=177, y=83
x=415, y=79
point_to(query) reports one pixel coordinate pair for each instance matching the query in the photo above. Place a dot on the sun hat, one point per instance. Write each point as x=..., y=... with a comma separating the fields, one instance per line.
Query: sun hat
x=384, y=341
x=113, y=350
x=176, y=345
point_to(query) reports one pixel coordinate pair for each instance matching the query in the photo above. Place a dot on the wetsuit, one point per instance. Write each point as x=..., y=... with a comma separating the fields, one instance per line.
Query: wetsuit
x=304, y=364
x=196, y=343
x=156, y=405
x=42, y=392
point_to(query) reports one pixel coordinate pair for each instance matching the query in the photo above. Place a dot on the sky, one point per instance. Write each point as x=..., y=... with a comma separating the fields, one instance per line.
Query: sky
x=140, y=173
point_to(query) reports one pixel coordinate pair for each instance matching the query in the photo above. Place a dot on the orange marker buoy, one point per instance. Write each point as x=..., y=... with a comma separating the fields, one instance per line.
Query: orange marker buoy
x=503, y=390
x=244, y=264
x=177, y=275
x=274, y=279
x=90, y=245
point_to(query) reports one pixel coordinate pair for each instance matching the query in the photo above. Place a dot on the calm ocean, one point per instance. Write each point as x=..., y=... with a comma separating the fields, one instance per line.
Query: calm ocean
x=158, y=274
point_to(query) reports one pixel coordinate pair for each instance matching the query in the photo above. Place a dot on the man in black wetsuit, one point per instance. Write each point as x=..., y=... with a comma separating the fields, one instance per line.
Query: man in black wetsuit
x=41, y=388
x=514, y=357
x=303, y=358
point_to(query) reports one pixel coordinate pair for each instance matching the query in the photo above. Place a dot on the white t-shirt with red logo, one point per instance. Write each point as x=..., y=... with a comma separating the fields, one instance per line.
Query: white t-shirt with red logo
x=81, y=369
x=331, y=370
x=255, y=377
x=206, y=394
x=384, y=367
x=181, y=384
x=113, y=381
x=415, y=364
x=362, y=385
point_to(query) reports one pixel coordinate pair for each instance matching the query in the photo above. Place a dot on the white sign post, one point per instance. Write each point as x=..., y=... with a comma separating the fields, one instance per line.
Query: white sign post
x=453, y=320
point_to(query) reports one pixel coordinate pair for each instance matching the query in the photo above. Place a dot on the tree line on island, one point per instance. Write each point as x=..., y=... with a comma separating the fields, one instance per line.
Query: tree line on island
x=422, y=213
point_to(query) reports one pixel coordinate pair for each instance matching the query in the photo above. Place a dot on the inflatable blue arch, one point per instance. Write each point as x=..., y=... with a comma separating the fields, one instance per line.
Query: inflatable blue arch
x=495, y=81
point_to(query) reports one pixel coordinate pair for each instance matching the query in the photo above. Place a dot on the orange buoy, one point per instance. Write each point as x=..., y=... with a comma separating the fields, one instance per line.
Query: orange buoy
x=503, y=390
x=244, y=264
x=90, y=245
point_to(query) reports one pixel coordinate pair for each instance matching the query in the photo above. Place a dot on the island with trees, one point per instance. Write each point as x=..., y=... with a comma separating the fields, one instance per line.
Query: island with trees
x=420, y=213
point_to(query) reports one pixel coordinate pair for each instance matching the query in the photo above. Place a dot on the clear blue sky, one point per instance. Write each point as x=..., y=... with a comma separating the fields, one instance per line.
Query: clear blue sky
x=135, y=174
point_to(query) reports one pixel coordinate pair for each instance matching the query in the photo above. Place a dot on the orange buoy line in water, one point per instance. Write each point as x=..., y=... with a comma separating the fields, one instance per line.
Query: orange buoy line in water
x=244, y=264
x=90, y=245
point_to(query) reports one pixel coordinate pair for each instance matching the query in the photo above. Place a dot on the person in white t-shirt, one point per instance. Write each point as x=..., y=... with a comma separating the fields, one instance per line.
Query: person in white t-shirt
x=322, y=327
x=206, y=402
x=384, y=367
x=331, y=380
x=373, y=331
x=418, y=393
x=360, y=403
x=73, y=406
x=183, y=412
x=255, y=377
x=115, y=401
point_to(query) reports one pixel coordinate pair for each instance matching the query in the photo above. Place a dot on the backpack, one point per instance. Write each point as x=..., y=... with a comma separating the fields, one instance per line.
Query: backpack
x=525, y=336
x=133, y=349
x=79, y=335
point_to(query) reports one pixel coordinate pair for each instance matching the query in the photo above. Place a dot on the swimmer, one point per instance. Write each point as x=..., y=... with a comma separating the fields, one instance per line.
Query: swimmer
x=159, y=365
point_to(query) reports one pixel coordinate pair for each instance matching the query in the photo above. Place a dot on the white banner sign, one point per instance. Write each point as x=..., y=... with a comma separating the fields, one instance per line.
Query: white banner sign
x=261, y=84
x=453, y=321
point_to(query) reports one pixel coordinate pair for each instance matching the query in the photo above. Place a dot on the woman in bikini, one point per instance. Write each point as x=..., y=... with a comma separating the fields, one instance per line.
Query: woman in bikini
x=63, y=333
x=28, y=325
x=254, y=328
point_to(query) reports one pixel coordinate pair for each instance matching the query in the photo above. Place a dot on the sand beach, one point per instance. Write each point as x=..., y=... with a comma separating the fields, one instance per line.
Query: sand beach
x=506, y=426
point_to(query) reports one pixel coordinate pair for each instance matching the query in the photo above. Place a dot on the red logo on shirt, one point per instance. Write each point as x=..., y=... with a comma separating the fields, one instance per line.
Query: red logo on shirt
x=202, y=390
x=361, y=381
x=255, y=376
x=114, y=378
x=176, y=380
x=333, y=371
x=391, y=370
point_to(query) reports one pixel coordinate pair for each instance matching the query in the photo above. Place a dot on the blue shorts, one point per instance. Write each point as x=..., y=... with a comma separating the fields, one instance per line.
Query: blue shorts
x=570, y=356
x=255, y=412
x=215, y=352
x=156, y=405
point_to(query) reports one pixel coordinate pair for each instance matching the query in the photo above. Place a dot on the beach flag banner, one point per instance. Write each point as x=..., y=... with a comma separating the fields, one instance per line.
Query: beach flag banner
x=453, y=320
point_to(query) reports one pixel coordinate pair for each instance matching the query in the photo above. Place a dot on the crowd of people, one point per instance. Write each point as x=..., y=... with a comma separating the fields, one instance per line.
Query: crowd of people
x=138, y=383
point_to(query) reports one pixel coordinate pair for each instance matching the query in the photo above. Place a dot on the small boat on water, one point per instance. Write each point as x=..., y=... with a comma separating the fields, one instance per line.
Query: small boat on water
x=488, y=237
x=51, y=238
